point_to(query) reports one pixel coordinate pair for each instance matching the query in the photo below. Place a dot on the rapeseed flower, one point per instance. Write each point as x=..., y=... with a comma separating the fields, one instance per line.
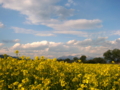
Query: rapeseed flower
x=49, y=74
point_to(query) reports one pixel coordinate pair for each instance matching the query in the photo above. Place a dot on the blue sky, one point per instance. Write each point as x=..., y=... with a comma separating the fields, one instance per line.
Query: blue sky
x=56, y=28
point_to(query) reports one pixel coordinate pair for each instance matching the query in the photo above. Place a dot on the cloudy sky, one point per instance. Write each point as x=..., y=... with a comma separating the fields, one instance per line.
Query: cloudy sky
x=56, y=28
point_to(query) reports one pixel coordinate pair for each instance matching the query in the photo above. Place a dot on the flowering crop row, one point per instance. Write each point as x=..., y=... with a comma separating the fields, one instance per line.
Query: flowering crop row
x=49, y=74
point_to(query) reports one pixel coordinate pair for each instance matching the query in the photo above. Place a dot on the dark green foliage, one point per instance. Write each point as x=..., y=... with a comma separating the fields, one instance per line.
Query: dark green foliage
x=67, y=59
x=83, y=58
x=75, y=58
x=97, y=60
x=112, y=55
x=91, y=61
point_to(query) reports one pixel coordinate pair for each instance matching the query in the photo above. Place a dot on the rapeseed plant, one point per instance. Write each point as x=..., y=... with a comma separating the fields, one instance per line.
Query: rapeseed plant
x=49, y=74
x=16, y=52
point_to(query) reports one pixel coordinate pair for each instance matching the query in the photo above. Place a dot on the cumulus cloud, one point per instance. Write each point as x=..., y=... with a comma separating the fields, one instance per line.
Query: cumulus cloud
x=35, y=45
x=71, y=41
x=88, y=47
x=10, y=41
x=1, y=25
x=92, y=42
x=15, y=46
x=98, y=42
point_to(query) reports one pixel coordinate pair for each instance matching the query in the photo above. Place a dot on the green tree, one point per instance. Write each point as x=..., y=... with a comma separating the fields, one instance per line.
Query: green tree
x=75, y=58
x=91, y=61
x=67, y=59
x=112, y=55
x=96, y=60
x=99, y=60
x=83, y=58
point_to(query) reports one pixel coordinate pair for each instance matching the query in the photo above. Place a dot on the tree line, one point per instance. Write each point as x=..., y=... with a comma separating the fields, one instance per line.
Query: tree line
x=108, y=56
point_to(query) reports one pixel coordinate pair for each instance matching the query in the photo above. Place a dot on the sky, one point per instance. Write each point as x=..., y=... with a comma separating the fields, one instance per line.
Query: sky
x=55, y=28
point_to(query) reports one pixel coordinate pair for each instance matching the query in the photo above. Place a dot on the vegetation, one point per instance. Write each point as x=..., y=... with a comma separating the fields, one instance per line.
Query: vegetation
x=112, y=55
x=97, y=60
x=83, y=58
x=49, y=74
x=17, y=52
x=108, y=56
x=42, y=73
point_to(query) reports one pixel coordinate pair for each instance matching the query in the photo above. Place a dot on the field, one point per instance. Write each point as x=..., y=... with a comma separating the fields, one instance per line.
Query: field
x=49, y=74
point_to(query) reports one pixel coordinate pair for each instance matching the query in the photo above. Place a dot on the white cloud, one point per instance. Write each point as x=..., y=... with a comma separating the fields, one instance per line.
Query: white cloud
x=36, y=45
x=47, y=13
x=69, y=3
x=30, y=31
x=3, y=51
x=11, y=41
x=78, y=33
x=1, y=25
x=16, y=40
x=71, y=41
x=15, y=46
x=88, y=47
x=1, y=44
x=77, y=24
x=92, y=42
x=44, y=34
x=38, y=11
x=98, y=42
x=116, y=32
x=49, y=33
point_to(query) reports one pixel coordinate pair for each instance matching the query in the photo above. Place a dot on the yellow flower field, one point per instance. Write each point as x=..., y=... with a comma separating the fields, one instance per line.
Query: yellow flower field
x=49, y=74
